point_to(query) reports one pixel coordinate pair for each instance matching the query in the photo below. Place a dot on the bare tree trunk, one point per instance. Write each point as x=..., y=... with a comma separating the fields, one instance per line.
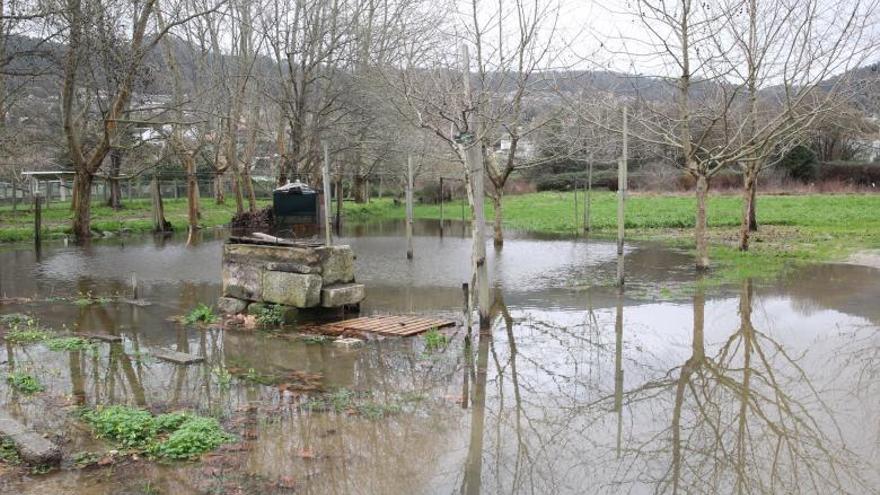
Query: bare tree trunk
x=219, y=196
x=115, y=200
x=236, y=190
x=338, y=204
x=360, y=189
x=497, y=205
x=192, y=188
x=753, y=220
x=160, y=224
x=700, y=229
x=748, y=207
x=82, y=194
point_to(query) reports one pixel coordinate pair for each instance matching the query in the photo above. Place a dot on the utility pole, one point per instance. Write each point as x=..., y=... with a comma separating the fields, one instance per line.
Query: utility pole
x=409, y=208
x=470, y=148
x=326, y=179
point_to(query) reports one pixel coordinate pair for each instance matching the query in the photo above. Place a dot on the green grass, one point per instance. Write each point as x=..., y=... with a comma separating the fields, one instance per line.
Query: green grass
x=794, y=229
x=134, y=216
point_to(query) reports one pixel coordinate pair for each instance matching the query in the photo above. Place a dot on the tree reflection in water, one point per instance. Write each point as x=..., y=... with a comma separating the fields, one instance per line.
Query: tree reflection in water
x=745, y=419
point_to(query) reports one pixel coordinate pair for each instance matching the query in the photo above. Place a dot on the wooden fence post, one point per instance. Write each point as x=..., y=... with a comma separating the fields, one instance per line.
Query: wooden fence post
x=409, y=208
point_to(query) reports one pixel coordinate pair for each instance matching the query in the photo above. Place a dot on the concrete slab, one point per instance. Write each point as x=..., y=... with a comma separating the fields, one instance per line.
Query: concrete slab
x=337, y=295
x=177, y=357
x=32, y=447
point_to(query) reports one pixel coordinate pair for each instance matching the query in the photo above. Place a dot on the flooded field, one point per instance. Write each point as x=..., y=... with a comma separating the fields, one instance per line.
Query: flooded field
x=757, y=387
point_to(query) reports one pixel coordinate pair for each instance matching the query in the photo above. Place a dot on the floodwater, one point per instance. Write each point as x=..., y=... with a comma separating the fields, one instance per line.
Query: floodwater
x=758, y=387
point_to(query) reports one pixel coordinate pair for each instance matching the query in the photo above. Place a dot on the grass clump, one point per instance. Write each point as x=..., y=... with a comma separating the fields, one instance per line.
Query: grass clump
x=87, y=299
x=24, y=383
x=176, y=435
x=435, y=340
x=8, y=452
x=194, y=436
x=200, y=314
x=270, y=315
x=26, y=335
x=69, y=344
x=17, y=319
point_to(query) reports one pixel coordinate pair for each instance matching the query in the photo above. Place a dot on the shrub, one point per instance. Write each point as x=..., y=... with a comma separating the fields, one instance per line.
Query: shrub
x=130, y=427
x=270, y=315
x=800, y=164
x=435, y=340
x=24, y=383
x=25, y=335
x=858, y=174
x=200, y=314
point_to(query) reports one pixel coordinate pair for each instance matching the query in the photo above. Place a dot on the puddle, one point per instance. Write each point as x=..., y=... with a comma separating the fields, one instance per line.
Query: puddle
x=761, y=388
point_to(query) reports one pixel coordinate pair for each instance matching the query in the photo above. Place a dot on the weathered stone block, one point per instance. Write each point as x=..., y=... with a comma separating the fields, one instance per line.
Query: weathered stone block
x=242, y=281
x=292, y=267
x=292, y=289
x=33, y=448
x=334, y=296
x=337, y=263
x=231, y=305
x=348, y=342
x=254, y=253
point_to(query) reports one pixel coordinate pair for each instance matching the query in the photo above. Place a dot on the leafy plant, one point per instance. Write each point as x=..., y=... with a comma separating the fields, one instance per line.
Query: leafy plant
x=69, y=344
x=270, y=315
x=435, y=340
x=85, y=458
x=24, y=383
x=224, y=377
x=8, y=452
x=25, y=335
x=200, y=314
x=130, y=427
x=194, y=436
x=176, y=435
x=16, y=319
x=87, y=299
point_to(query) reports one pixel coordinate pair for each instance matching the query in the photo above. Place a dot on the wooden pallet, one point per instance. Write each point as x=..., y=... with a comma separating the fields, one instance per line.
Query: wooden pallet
x=400, y=326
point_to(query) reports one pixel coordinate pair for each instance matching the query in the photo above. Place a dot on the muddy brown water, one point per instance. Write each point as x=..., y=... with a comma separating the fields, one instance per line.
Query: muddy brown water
x=755, y=387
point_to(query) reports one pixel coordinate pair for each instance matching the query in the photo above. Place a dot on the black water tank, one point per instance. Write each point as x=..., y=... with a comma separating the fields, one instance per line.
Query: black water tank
x=295, y=203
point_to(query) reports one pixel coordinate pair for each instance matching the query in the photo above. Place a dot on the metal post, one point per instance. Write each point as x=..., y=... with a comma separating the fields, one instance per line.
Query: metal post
x=409, y=208
x=38, y=218
x=441, y=205
x=576, y=217
x=134, y=285
x=326, y=177
x=588, y=191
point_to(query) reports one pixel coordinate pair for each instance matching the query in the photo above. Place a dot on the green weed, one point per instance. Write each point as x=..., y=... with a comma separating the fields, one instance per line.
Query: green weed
x=24, y=383
x=17, y=319
x=176, y=435
x=26, y=335
x=270, y=315
x=435, y=340
x=8, y=452
x=69, y=344
x=200, y=314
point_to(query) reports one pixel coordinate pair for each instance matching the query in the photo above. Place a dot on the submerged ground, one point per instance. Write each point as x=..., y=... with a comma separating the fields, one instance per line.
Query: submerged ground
x=763, y=386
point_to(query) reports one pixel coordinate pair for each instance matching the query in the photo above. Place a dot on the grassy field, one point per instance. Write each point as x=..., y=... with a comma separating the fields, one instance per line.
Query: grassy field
x=134, y=216
x=793, y=229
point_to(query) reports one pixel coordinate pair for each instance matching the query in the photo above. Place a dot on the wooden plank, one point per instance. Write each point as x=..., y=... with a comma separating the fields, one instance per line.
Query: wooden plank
x=391, y=325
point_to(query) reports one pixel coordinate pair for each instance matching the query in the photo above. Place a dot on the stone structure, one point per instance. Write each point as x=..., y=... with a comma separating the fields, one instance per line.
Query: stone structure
x=291, y=275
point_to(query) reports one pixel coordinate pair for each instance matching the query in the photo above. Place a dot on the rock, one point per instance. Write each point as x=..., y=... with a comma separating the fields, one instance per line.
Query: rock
x=292, y=289
x=337, y=263
x=32, y=447
x=289, y=314
x=348, y=342
x=256, y=308
x=259, y=253
x=231, y=305
x=177, y=357
x=292, y=267
x=334, y=296
x=242, y=281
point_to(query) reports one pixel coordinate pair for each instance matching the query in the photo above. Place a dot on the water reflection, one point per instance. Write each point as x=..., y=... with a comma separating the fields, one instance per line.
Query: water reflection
x=575, y=388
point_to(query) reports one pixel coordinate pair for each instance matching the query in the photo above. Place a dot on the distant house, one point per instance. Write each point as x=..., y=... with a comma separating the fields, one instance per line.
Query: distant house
x=525, y=149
